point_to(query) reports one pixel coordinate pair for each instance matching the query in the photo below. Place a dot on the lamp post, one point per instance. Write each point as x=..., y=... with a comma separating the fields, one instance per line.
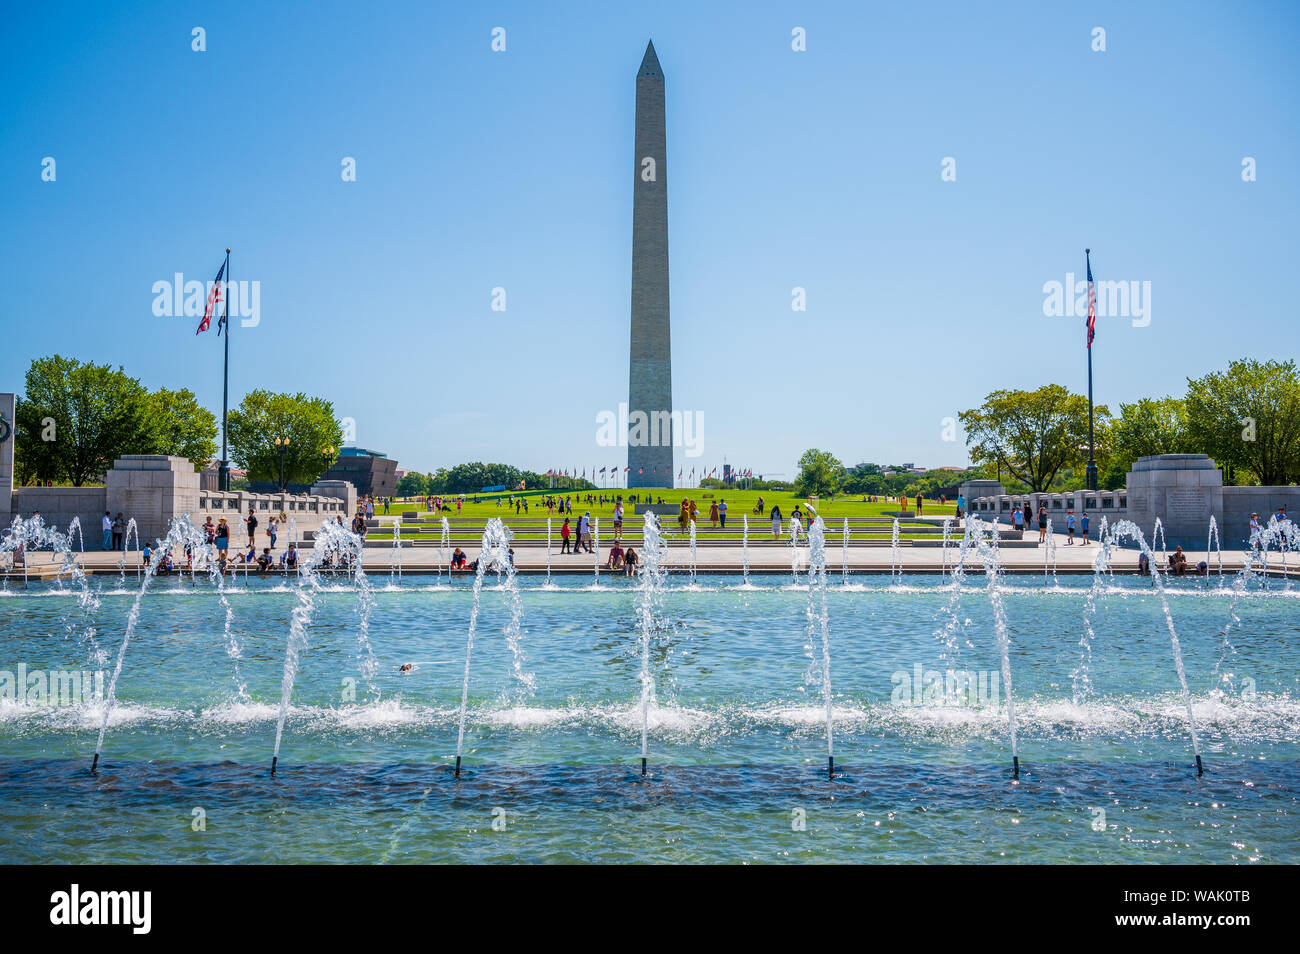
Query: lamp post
x=327, y=457
x=282, y=445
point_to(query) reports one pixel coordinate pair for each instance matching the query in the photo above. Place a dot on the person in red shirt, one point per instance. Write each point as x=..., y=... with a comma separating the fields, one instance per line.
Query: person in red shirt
x=564, y=536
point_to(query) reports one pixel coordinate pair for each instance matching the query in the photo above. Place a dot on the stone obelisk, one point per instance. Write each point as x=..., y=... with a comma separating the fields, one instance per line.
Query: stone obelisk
x=650, y=445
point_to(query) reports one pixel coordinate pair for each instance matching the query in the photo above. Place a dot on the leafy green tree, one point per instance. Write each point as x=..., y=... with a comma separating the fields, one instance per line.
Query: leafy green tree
x=308, y=423
x=181, y=427
x=1249, y=417
x=820, y=473
x=1148, y=427
x=412, y=484
x=1033, y=434
x=75, y=419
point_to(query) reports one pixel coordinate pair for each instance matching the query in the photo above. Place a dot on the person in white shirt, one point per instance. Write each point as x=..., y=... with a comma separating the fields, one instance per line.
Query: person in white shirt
x=108, y=530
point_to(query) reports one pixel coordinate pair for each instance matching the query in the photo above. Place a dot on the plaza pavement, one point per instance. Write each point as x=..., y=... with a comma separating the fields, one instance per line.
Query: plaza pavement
x=1023, y=555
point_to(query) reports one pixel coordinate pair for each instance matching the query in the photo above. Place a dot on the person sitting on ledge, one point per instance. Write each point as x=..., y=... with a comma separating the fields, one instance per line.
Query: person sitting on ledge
x=630, y=560
x=615, y=561
x=291, y=557
x=1178, y=562
x=1144, y=564
x=265, y=560
x=458, y=559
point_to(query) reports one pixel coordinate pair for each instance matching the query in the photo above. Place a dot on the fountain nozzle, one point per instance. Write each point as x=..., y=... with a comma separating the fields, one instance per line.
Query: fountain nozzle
x=94, y=765
x=458, y=766
x=1015, y=768
x=830, y=767
x=1200, y=769
x=275, y=760
x=643, y=765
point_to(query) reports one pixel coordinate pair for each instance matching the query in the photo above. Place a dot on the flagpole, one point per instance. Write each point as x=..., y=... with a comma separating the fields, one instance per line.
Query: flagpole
x=1091, y=473
x=223, y=473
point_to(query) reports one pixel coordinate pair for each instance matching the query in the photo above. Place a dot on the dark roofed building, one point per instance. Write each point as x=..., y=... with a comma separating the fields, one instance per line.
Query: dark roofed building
x=369, y=471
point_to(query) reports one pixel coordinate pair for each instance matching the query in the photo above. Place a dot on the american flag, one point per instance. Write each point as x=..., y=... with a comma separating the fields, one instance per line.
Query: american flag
x=216, y=294
x=1092, y=301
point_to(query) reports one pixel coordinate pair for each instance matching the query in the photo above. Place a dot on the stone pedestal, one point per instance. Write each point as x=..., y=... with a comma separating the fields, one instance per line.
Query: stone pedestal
x=1182, y=490
x=8, y=409
x=152, y=488
x=972, y=490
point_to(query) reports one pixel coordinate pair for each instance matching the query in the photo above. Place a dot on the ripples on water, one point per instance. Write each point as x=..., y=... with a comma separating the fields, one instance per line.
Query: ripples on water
x=736, y=741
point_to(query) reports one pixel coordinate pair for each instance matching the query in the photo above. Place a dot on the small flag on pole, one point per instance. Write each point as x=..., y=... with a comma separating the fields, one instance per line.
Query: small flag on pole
x=216, y=294
x=1092, y=303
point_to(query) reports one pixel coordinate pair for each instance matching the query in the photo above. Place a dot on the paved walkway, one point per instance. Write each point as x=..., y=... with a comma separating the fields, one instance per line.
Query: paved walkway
x=1015, y=556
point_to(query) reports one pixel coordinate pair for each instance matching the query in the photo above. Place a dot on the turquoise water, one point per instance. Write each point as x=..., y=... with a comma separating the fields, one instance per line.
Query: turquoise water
x=737, y=746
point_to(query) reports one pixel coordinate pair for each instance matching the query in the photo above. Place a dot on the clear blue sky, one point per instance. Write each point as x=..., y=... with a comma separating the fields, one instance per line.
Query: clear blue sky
x=818, y=169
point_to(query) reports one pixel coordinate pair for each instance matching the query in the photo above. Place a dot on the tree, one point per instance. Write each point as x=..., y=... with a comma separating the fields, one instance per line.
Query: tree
x=412, y=484
x=1249, y=417
x=1033, y=434
x=180, y=427
x=308, y=423
x=864, y=479
x=75, y=419
x=1148, y=427
x=820, y=473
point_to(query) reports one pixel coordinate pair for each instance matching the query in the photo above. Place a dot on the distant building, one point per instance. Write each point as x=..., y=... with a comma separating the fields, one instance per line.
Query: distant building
x=208, y=475
x=369, y=471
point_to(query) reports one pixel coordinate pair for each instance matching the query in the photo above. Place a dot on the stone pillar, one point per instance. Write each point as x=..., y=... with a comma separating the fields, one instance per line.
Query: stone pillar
x=152, y=488
x=8, y=410
x=1182, y=490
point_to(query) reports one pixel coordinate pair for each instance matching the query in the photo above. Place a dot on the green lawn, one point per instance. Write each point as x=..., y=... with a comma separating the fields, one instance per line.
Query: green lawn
x=738, y=502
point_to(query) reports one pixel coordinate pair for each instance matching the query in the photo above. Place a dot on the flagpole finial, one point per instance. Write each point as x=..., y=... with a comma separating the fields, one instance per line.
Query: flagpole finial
x=1086, y=251
x=227, y=251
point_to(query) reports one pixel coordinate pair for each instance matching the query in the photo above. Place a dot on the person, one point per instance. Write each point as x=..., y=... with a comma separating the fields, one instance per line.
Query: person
x=618, y=520
x=1254, y=531
x=722, y=514
x=920, y=503
x=271, y=527
x=1029, y=515
x=961, y=506
x=209, y=531
x=695, y=511
x=758, y=507
x=1178, y=562
x=776, y=522
x=564, y=536
x=584, y=531
x=1018, y=519
x=265, y=560
x=713, y=514
x=1083, y=527
x=147, y=555
x=1069, y=528
x=615, y=561
x=630, y=560
x=1042, y=523
x=1144, y=564
x=119, y=525
x=223, y=539
x=107, y=525
x=683, y=514
x=458, y=559
x=251, y=522
x=291, y=557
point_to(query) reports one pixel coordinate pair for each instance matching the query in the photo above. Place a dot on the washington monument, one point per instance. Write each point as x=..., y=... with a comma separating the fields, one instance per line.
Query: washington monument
x=650, y=432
